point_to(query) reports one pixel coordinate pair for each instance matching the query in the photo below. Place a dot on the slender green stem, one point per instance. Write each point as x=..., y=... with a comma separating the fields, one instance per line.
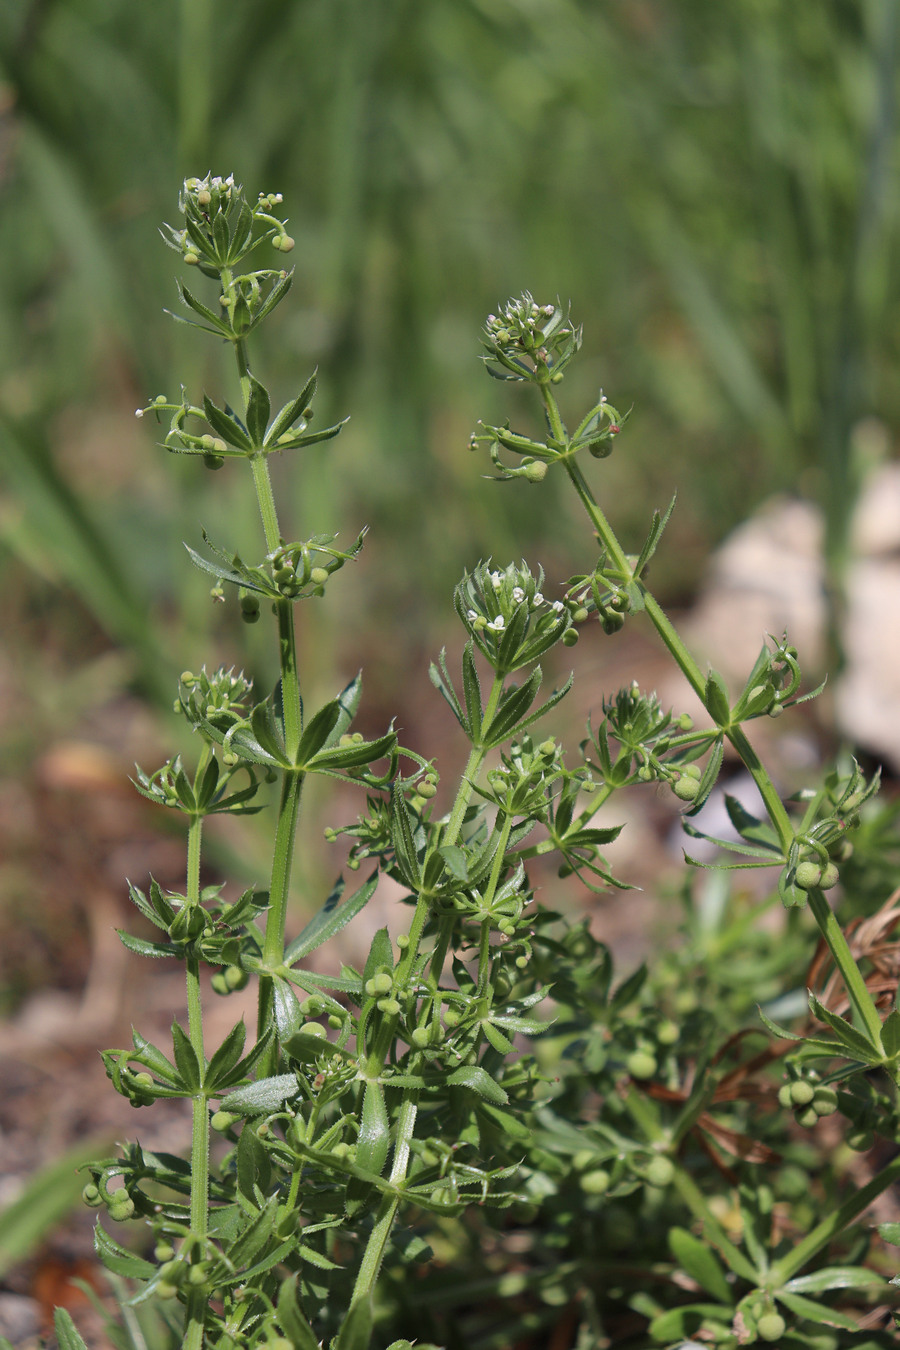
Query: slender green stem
x=196, y=1318
x=794, y=1260
x=683, y=658
x=860, y=998
x=387, y=1211
x=279, y=891
x=263, y=483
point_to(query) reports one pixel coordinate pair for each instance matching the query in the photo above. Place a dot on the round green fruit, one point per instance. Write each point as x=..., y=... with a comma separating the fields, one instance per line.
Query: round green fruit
x=641, y=1064
x=771, y=1327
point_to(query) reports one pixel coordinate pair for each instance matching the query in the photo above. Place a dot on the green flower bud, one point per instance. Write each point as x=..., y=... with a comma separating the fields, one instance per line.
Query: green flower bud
x=569, y=637
x=686, y=788
x=426, y=789
x=335, y=1022
x=91, y=1195
x=222, y=1121
x=825, y=1101
x=580, y=614
x=535, y=470
x=403, y=941
x=452, y=1017
x=771, y=1326
x=421, y=1037
x=660, y=1172
x=389, y=1006
x=314, y=1030
x=236, y=978
x=121, y=1207
x=597, y=1181
x=187, y=677
x=521, y=962
x=612, y=623
x=286, y=243
x=164, y=1251
x=802, y=1093
x=860, y=1140
x=812, y=874
x=192, y=259
x=380, y=984
x=318, y=576
x=667, y=1033
x=641, y=1064
x=807, y=1117
x=784, y=1096
x=219, y=984
x=165, y=1289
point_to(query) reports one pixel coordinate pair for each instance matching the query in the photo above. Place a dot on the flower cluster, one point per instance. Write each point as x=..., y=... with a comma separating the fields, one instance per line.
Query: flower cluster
x=530, y=341
x=508, y=617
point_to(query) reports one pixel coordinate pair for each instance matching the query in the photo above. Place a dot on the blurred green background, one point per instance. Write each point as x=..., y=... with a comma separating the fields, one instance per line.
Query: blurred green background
x=713, y=185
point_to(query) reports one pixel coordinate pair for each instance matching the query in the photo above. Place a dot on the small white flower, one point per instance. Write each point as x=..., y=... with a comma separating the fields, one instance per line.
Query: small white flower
x=138, y=412
x=496, y=580
x=497, y=624
x=518, y=594
x=538, y=599
x=471, y=615
x=602, y=397
x=558, y=607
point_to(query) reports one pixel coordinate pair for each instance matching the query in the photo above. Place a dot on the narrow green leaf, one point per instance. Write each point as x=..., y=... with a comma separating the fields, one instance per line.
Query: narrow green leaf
x=291, y=412
x=292, y=1318
x=119, y=1259
x=144, y=947
x=331, y=918
x=228, y=428
x=440, y=678
x=474, y=1077
x=185, y=1059
x=472, y=693
x=857, y=1046
x=263, y=1097
x=890, y=1034
x=402, y=835
x=288, y=1017
x=67, y=1335
x=225, y=1057
x=678, y=1324
x=256, y=1234
x=699, y=1261
x=514, y=704
x=816, y=1312
x=716, y=699
x=258, y=408
x=837, y=1277
x=356, y=1329
x=153, y=1058
x=537, y=714
x=374, y=1130
x=317, y=732
x=215, y=320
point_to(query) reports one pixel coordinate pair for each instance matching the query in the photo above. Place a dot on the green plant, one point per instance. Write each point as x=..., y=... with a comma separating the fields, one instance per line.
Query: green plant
x=639, y=1174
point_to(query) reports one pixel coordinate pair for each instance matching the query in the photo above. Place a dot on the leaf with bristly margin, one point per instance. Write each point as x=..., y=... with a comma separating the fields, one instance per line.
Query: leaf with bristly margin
x=144, y=947
x=856, y=1045
x=374, y=1130
x=254, y=1237
x=288, y=1017
x=709, y=777
x=225, y=1057
x=262, y=1097
x=275, y=296
x=381, y=956
x=440, y=678
x=317, y=732
x=680, y=1324
x=153, y=1058
x=837, y=1277
x=700, y=1262
x=651, y=544
x=811, y=1311
x=291, y=412
x=119, y=1259
x=355, y=1331
x=405, y=854
x=331, y=918
x=477, y=1079
x=229, y=428
x=496, y=1038
x=472, y=693
x=890, y=1034
x=292, y=1319
x=185, y=1059
x=67, y=1335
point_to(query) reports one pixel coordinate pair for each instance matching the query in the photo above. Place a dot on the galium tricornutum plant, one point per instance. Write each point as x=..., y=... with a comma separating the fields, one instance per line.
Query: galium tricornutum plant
x=385, y=1115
